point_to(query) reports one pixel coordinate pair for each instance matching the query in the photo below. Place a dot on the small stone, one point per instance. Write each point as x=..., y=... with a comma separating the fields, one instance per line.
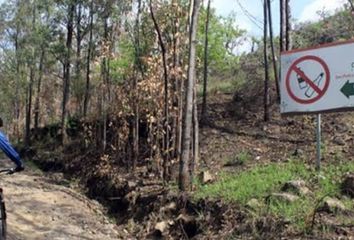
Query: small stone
x=272, y=129
x=298, y=152
x=162, y=227
x=341, y=128
x=339, y=141
x=253, y=204
x=205, y=177
x=298, y=187
x=131, y=184
x=332, y=205
x=169, y=208
x=214, y=131
x=347, y=185
x=284, y=197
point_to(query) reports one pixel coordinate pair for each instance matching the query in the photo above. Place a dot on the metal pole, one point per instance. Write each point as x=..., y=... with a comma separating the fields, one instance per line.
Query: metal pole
x=318, y=137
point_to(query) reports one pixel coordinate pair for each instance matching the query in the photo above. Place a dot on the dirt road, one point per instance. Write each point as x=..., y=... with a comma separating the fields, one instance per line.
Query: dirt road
x=38, y=208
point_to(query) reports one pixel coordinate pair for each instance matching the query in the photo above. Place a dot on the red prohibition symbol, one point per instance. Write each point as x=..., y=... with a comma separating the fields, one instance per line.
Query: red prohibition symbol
x=319, y=91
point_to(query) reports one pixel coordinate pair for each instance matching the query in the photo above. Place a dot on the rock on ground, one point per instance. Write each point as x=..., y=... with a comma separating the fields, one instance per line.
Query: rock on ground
x=298, y=187
x=332, y=205
x=254, y=204
x=284, y=197
x=206, y=177
x=348, y=185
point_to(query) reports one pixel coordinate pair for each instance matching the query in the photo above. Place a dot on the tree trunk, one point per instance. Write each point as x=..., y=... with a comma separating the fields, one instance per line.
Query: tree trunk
x=29, y=108
x=275, y=69
x=265, y=57
x=282, y=25
x=351, y=5
x=206, y=55
x=184, y=177
x=178, y=82
x=138, y=66
x=88, y=62
x=104, y=93
x=166, y=94
x=195, y=160
x=78, y=54
x=39, y=84
x=30, y=85
x=17, y=88
x=66, y=87
x=288, y=26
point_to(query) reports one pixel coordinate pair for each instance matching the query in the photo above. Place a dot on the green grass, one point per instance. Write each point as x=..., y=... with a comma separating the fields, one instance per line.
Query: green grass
x=217, y=87
x=255, y=183
x=261, y=181
x=222, y=84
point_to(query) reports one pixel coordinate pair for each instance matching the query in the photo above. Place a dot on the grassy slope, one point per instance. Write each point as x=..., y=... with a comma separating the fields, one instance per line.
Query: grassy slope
x=260, y=181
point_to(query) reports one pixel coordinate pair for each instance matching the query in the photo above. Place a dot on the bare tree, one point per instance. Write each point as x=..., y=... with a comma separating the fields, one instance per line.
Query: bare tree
x=39, y=85
x=282, y=24
x=166, y=112
x=67, y=63
x=138, y=65
x=88, y=61
x=79, y=38
x=275, y=69
x=30, y=85
x=265, y=55
x=206, y=45
x=288, y=26
x=184, y=177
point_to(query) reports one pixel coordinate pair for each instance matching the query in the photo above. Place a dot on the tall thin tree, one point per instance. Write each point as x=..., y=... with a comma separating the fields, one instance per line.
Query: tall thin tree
x=184, y=177
x=288, y=26
x=38, y=93
x=67, y=66
x=282, y=24
x=205, y=71
x=79, y=38
x=31, y=81
x=166, y=92
x=139, y=68
x=88, y=61
x=275, y=68
x=265, y=58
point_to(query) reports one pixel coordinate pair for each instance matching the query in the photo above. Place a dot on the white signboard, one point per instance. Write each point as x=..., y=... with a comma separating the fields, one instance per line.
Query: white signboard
x=318, y=79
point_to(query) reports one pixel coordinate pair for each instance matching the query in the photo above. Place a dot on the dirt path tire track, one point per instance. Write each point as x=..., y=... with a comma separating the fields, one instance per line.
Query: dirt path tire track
x=39, y=209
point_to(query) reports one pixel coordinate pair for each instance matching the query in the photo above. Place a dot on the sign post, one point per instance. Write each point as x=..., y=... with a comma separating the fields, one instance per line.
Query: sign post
x=318, y=138
x=317, y=80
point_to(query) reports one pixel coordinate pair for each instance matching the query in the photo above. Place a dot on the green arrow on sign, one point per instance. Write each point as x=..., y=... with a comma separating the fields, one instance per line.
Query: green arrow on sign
x=348, y=89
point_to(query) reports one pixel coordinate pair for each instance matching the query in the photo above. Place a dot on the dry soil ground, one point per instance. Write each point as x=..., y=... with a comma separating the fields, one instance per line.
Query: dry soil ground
x=38, y=208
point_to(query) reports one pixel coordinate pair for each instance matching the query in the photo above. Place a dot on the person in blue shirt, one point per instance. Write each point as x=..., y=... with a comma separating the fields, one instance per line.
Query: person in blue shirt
x=6, y=147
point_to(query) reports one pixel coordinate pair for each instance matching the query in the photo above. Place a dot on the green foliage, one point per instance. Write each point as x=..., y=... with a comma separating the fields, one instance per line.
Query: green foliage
x=224, y=38
x=123, y=63
x=330, y=28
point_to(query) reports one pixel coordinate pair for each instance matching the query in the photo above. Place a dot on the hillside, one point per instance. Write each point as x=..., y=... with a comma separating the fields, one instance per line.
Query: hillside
x=142, y=120
x=235, y=153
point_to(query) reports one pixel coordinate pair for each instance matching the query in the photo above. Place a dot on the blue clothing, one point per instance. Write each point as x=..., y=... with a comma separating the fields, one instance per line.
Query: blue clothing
x=6, y=147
